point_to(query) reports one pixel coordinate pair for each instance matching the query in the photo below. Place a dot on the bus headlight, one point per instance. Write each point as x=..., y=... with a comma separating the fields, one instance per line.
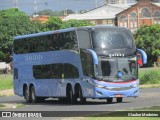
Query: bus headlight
x=99, y=86
x=135, y=85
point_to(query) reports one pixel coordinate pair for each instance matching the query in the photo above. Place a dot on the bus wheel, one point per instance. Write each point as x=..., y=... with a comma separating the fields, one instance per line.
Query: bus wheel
x=82, y=99
x=33, y=95
x=70, y=96
x=119, y=100
x=27, y=95
x=109, y=100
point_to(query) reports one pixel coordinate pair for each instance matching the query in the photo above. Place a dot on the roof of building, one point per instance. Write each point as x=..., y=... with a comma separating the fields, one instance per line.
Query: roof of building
x=107, y=11
x=157, y=4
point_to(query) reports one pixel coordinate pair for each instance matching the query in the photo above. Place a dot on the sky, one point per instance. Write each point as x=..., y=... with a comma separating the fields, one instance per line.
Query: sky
x=55, y=5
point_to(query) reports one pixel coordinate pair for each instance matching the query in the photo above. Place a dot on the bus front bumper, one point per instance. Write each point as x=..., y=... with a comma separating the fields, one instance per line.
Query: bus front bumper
x=114, y=93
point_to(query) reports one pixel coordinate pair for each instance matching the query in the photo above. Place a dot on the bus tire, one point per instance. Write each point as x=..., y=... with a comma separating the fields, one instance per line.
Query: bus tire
x=109, y=100
x=27, y=95
x=82, y=99
x=34, y=99
x=70, y=97
x=119, y=100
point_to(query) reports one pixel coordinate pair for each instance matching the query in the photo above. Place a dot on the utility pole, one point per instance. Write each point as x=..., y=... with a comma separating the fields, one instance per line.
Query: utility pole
x=15, y=2
x=35, y=6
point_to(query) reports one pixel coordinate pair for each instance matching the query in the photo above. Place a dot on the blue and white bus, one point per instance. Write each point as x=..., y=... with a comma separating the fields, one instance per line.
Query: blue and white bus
x=98, y=62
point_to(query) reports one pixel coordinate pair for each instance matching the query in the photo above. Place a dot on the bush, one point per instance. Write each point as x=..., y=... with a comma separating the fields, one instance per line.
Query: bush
x=150, y=76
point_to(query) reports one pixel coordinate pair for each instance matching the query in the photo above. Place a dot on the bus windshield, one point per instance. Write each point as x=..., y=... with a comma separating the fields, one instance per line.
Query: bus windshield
x=109, y=68
x=104, y=39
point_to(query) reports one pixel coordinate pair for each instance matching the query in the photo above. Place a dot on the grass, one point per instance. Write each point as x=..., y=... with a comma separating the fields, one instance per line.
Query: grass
x=1, y=105
x=149, y=75
x=20, y=105
x=11, y=105
x=150, y=86
x=153, y=108
x=2, y=95
x=6, y=81
x=121, y=118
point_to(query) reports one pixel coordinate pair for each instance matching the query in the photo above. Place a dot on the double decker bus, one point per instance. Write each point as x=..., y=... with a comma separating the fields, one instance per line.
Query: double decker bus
x=74, y=64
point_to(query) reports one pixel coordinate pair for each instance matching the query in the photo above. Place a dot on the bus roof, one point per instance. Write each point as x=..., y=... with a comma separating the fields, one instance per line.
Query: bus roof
x=67, y=30
x=44, y=33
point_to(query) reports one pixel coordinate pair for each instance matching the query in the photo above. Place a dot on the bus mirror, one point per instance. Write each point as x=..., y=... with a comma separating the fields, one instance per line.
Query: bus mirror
x=142, y=57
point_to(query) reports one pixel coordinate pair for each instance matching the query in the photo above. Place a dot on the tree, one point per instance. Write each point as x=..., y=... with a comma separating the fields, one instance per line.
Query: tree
x=148, y=39
x=54, y=23
x=46, y=12
x=13, y=23
x=75, y=23
x=55, y=13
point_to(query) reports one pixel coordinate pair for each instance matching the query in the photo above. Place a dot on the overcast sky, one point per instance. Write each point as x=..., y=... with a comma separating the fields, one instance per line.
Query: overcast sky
x=28, y=6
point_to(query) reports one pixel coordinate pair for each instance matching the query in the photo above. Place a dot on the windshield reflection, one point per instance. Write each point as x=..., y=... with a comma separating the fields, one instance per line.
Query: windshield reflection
x=111, y=39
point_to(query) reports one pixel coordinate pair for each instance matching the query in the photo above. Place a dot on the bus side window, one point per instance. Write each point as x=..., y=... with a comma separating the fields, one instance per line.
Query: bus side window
x=15, y=73
x=70, y=71
x=84, y=39
x=87, y=64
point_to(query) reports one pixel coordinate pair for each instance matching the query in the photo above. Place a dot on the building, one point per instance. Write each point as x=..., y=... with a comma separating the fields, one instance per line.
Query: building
x=42, y=18
x=144, y=12
x=155, y=1
x=116, y=1
x=105, y=14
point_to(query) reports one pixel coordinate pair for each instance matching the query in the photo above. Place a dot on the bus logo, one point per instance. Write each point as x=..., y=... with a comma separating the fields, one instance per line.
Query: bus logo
x=116, y=55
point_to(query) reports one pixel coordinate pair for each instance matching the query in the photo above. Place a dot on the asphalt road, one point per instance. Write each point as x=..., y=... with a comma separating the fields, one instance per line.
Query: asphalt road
x=147, y=98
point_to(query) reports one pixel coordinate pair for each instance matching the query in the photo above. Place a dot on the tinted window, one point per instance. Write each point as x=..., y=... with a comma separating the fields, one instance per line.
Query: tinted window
x=87, y=64
x=51, y=71
x=58, y=41
x=47, y=71
x=70, y=71
x=15, y=73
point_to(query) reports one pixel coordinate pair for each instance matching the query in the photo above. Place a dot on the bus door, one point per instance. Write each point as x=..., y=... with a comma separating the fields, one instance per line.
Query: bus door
x=16, y=81
x=56, y=81
x=61, y=86
x=88, y=72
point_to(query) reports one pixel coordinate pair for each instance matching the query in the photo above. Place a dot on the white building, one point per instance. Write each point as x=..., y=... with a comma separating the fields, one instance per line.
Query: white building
x=116, y=1
x=102, y=15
